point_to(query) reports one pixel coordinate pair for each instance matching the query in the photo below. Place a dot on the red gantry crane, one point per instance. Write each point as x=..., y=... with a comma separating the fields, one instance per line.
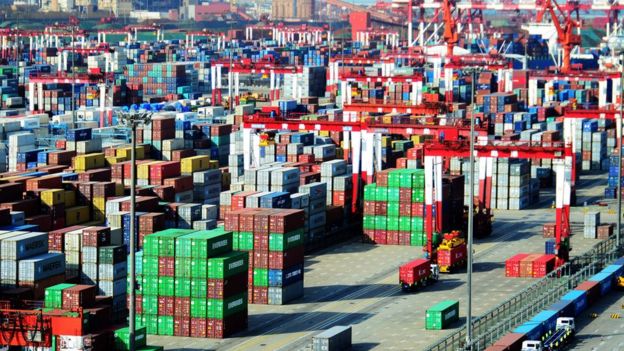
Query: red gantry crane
x=566, y=35
x=563, y=164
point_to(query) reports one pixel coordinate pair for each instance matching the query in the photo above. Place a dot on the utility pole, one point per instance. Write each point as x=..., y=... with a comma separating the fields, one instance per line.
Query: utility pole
x=132, y=119
x=619, y=153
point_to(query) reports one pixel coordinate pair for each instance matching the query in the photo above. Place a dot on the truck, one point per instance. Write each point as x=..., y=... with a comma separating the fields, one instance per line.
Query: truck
x=564, y=332
x=419, y=272
x=452, y=252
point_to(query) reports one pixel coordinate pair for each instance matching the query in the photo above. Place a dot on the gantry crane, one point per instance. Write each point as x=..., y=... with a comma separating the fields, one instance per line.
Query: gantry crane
x=566, y=35
x=563, y=163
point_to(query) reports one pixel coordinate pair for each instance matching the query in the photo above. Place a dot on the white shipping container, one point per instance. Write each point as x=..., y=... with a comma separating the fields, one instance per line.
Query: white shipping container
x=210, y=211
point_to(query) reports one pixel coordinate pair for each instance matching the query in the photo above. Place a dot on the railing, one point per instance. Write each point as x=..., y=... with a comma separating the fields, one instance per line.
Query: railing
x=499, y=320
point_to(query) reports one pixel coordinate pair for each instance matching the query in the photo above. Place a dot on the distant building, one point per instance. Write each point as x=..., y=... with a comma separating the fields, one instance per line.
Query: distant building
x=118, y=7
x=293, y=10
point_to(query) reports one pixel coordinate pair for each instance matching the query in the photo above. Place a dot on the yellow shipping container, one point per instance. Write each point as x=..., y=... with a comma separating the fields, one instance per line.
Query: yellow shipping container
x=143, y=170
x=76, y=215
x=53, y=197
x=89, y=161
x=192, y=164
x=385, y=141
x=99, y=203
x=111, y=160
x=125, y=152
x=324, y=133
x=70, y=198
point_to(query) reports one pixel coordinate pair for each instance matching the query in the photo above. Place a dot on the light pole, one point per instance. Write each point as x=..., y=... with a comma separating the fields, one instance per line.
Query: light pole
x=470, y=235
x=132, y=119
x=619, y=153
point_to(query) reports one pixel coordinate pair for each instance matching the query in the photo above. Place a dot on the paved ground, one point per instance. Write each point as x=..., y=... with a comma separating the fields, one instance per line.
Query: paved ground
x=602, y=333
x=355, y=283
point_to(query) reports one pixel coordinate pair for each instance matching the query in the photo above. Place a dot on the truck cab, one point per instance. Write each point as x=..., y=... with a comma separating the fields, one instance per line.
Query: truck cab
x=435, y=271
x=532, y=345
x=566, y=323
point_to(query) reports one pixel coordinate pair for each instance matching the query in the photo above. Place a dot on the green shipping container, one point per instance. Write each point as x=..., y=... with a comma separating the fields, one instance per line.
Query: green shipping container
x=417, y=224
x=381, y=194
x=205, y=243
x=122, y=338
x=165, y=325
x=150, y=245
x=235, y=240
x=442, y=315
x=183, y=267
x=198, y=307
x=228, y=265
x=260, y=277
x=167, y=241
x=381, y=222
x=394, y=178
x=223, y=308
x=150, y=348
x=370, y=192
x=166, y=286
x=393, y=195
x=182, y=287
x=245, y=241
x=150, y=265
x=199, y=268
x=150, y=304
x=393, y=209
x=150, y=285
x=418, y=195
x=54, y=295
x=405, y=224
x=417, y=239
x=151, y=323
x=368, y=222
x=199, y=287
x=281, y=242
x=392, y=223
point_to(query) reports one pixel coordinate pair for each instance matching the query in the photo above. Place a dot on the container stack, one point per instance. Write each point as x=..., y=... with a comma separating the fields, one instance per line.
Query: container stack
x=311, y=82
x=274, y=239
x=530, y=265
x=394, y=208
x=19, y=143
x=591, y=223
x=610, y=191
x=192, y=284
x=313, y=202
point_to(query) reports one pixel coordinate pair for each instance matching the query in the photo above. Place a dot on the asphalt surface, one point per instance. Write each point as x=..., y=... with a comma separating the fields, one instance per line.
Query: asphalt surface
x=605, y=331
x=356, y=284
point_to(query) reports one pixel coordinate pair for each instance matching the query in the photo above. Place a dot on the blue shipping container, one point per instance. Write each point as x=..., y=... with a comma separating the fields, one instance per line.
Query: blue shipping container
x=532, y=330
x=579, y=298
x=279, y=278
x=564, y=308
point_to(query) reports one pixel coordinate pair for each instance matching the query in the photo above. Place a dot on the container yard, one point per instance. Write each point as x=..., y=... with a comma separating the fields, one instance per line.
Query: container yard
x=405, y=175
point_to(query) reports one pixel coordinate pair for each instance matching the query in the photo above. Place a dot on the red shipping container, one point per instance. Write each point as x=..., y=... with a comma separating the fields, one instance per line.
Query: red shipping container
x=164, y=170
x=341, y=198
x=286, y=221
x=526, y=265
x=309, y=177
x=369, y=207
x=96, y=175
x=44, y=222
x=288, y=258
x=543, y=265
x=382, y=177
x=30, y=207
x=138, y=305
x=261, y=222
x=261, y=259
x=592, y=289
x=221, y=328
x=401, y=162
x=44, y=182
x=182, y=307
x=166, y=305
x=56, y=238
x=453, y=256
x=392, y=237
x=79, y=296
x=405, y=209
x=414, y=271
x=307, y=158
x=238, y=199
x=166, y=266
x=228, y=287
x=405, y=195
x=10, y=192
x=104, y=189
x=181, y=326
x=177, y=155
x=405, y=238
x=165, y=193
x=380, y=237
x=232, y=221
x=96, y=236
x=180, y=184
x=512, y=265
x=260, y=295
x=198, y=327
x=549, y=230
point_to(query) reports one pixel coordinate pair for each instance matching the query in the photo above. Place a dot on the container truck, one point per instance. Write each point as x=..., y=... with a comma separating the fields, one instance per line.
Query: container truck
x=419, y=272
x=452, y=252
x=564, y=332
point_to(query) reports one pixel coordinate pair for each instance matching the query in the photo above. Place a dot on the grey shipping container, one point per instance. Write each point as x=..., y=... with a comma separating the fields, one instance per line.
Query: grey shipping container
x=23, y=246
x=283, y=295
x=337, y=338
x=41, y=267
